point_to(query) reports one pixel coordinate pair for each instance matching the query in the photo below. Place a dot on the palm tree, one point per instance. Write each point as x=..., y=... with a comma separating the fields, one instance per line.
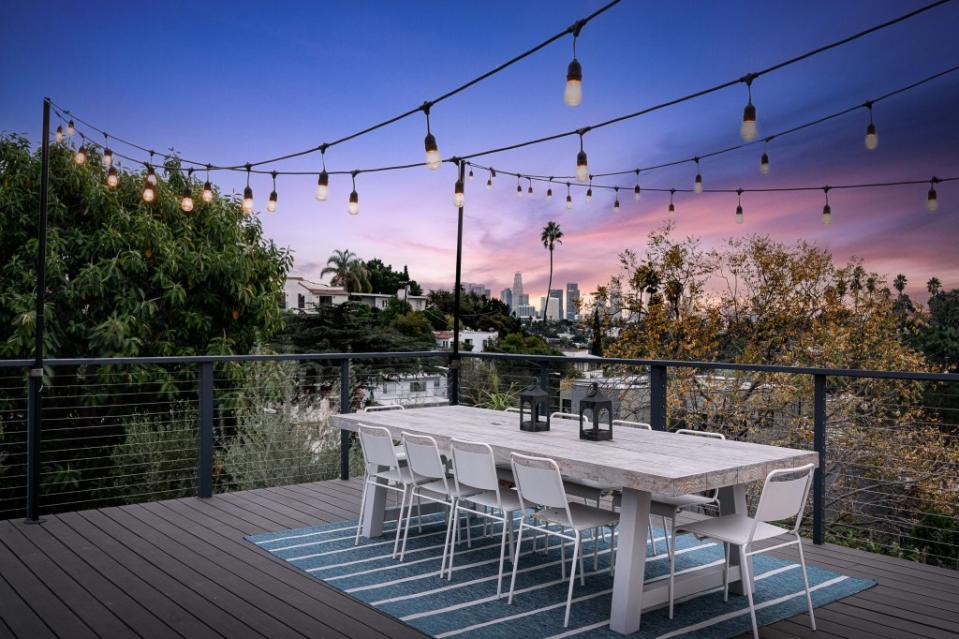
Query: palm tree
x=934, y=286
x=900, y=283
x=551, y=236
x=348, y=271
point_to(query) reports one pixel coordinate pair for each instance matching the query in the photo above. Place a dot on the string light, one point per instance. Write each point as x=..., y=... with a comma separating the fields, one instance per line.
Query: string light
x=569, y=198
x=458, y=196
x=748, y=131
x=149, y=189
x=71, y=129
x=151, y=174
x=549, y=190
x=739, y=206
x=207, y=187
x=354, y=206
x=573, y=94
x=489, y=180
x=519, y=189
x=471, y=175
x=932, y=200
x=826, y=209
x=58, y=136
x=248, y=194
x=530, y=189
x=698, y=182
x=582, y=166
x=616, y=203
x=872, y=137
x=433, y=158
x=764, y=164
x=107, y=157
x=271, y=203
x=672, y=207
x=636, y=190
x=589, y=191
x=323, y=182
x=113, y=177
x=186, y=200
x=80, y=157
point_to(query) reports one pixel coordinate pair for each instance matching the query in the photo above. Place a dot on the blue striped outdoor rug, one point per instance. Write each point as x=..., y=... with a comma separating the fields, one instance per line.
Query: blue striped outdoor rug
x=467, y=605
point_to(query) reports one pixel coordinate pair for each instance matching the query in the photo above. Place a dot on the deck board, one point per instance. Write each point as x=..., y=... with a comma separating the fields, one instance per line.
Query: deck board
x=181, y=568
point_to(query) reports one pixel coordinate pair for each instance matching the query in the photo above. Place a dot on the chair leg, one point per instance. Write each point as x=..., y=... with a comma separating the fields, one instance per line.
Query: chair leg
x=672, y=577
x=725, y=572
x=456, y=513
x=419, y=515
x=519, y=543
x=512, y=537
x=409, y=516
x=399, y=522
x=572, y=581
x=562, y=557
x=652, y=536
x=805, y=579
x=612, y=550
x=446, y=540
x=582, y=571
x=665, y=532
x=502, y=557
x=747, y=586
x=595, y=541
x=359, y=523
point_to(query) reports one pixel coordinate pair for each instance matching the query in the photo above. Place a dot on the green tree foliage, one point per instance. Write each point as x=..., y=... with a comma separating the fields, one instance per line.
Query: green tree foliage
x=348, y=271
x=476, y=311
x=937, y=333
x=383, y=279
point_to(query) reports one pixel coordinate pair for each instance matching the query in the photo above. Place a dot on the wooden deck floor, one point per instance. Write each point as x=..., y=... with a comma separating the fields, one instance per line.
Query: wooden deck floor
x=181, y=568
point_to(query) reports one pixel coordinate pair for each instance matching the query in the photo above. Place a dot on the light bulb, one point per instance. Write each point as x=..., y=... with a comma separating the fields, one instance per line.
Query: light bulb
x=81, y=155
x=826, y=215
x=186, y=201
x=872, y=137
x=574, y=84
x=569, y=201
x=672, y=208
x=59, y=134
x=207, y=192
x=549, y=194
x=489, y=183
x=107, y=158
x=354, y=206
x=698, y=184
x=739, y=214
x=589, y=195
x=616, y=206
x=433, y=159
x=71, y=129
x=151, y=176
x=471, y=175
x=748, y=131
x=113, y=177
x=636, y=193
x=323, y=186
x=248, y=200
x=458, y=197
x=582, y=167
x=519, y=190
x=530, y=189
x=149, y=192
x=932, y=201
x=271, y=203
x=764, y=164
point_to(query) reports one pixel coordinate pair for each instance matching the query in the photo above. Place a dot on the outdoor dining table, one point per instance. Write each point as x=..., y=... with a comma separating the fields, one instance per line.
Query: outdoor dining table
x=639, y=461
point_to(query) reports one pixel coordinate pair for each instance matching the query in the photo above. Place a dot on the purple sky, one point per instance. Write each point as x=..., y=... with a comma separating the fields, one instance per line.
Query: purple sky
x=235, y=82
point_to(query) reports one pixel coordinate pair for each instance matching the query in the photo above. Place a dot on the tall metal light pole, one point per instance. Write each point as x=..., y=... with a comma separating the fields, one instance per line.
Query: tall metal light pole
x=35, y=381
x=457, y=285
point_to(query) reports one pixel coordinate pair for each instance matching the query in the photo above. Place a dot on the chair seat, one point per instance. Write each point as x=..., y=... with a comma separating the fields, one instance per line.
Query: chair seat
x=402, y=475
x=732, y=529
x=440, y=489
x=488, y=498
x=584, y=517
x=666, y=505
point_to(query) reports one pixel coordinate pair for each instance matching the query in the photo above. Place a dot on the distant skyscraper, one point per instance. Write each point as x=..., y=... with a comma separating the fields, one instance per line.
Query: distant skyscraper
x=572, y=300
x=518, y=292
x=556, y=300
x=506, y=296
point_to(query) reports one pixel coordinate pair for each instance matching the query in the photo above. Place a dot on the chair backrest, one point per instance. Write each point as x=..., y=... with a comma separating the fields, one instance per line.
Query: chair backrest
x=378, y=449
x=539, y=483
x=377, y=409
x=784, y=494
x=570, y=416
x=474, y=466
x=699, y=433
x=423, y=458
x=629, y=424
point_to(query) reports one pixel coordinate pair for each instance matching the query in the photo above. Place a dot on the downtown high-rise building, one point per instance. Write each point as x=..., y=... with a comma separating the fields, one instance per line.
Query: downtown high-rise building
x=556, y=299
x=506, y=296
x=572, y=300
x=477, y=289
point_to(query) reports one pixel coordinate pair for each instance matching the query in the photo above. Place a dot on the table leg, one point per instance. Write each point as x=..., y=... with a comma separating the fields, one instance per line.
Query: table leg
x=373, y=510
x=732, y=500
x=630, y=574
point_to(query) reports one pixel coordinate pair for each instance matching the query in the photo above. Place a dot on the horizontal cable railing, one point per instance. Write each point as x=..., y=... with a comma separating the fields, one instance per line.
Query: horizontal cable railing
x=126, y=430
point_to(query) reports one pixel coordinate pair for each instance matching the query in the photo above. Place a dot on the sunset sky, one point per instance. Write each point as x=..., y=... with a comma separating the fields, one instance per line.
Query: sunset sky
x=240, y=81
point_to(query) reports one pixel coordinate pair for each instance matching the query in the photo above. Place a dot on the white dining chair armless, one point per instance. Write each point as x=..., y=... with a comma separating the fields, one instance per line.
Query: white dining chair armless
x=381, y=467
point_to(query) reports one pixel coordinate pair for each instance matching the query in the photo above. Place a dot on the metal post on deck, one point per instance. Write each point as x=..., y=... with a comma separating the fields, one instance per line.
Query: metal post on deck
x=35, y=380
x=657, y=397
x=345, y=435
x=454, y=376
x=819, y=477
x=205, y=434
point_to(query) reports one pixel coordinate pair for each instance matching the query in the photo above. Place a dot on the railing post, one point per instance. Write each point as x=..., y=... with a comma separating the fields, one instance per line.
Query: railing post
x=453, y=380
x=819, y=477
x=205, y=427
x=657, y=397
x=345, y=407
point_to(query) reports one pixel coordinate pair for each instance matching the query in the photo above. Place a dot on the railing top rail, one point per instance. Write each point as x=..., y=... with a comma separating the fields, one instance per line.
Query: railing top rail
x=554, y=359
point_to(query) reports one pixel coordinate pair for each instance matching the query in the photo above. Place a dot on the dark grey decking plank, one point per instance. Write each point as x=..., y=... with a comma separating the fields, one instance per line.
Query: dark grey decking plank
x=316, y=507
x=310, y=593
x=96, y=611
x=279, y=520
x=20, y=618
x=182, y=567
x=144, y=562
x=896, y=599
x=41, y=597
x=222, y=510
x=275, y=510
x=867, y=616
x=140, y=589
x=212, y=562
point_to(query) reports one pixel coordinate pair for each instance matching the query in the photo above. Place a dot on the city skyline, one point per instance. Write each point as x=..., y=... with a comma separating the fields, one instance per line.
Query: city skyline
x=407, y=218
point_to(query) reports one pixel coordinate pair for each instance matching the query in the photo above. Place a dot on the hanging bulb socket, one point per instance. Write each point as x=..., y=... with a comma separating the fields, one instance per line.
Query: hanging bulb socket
x=107, y=158
x=113, y=177
x=353, y=208
x=58, y=136
x=530, y=189
x=672, y=207
x=71, y=129
x=433, y=159
x=458, y=194
x=573, y=94
x=272, y=200
x=637, y=192
x=569, y=198
x=764, y=164
x=739, y=206
x=932, y=199
x=471, y=175
x=616, y=202
x=151, y=175
x=872, y=137
x=80, y=157
x=323, y=186
x=826, y=209
x=186, y=200
x=149, y=191
x=582, y=166
x=748, y=131
x=207, y=192
x=589, y=194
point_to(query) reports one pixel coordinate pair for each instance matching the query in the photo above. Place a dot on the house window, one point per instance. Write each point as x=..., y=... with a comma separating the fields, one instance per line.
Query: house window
x=418, y=387
x=325, y=300
x=300, y=300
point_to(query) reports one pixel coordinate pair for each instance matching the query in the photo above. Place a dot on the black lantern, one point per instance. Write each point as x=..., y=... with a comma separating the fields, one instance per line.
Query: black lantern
x=534, y=409
x=596, y=403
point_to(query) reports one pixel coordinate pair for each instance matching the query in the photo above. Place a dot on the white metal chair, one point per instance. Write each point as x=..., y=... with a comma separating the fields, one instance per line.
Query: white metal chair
x=629, y=424
x=429, y=481
x=474, y=469
x=381, y=465
x=539, y=485
x=783, y=497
